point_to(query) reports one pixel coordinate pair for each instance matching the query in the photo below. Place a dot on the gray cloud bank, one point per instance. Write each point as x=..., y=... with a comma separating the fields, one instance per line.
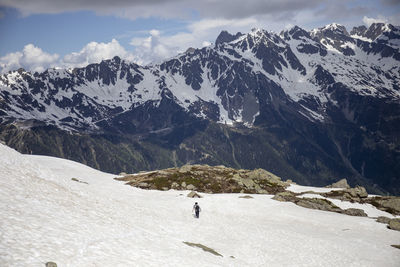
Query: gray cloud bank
x=175, y=8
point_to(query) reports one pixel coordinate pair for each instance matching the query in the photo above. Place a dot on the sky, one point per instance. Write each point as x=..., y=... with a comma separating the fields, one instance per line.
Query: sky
x=42, y=34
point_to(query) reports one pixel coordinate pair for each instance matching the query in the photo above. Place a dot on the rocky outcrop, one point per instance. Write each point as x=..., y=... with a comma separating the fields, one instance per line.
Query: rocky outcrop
x=394, y=224
x=246, y=197
x=340, y=184
x=285, y=196
x=383, y=219
x=350, y=194
x=355, y=212
x=194, y=194
x=358, y=194
x=318, y=204
x=389, y=204
x=310, y=203
x=209, y=179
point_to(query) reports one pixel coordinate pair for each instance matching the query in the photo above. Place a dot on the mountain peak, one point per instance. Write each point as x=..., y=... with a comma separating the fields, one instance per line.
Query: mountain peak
x=377, y=29
x=226, y=37
x=333, y=28
x=295, y=32
x=359, y=30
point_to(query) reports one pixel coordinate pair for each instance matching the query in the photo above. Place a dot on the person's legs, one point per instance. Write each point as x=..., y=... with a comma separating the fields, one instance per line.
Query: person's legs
x=197, y=214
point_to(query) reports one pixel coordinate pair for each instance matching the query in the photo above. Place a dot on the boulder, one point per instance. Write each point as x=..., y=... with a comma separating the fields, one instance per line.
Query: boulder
x=174, y=185
x=143, y=185
x=389, y=204
x=261, y=174
x=383, y=219
x=185, y=168
x=355, y=212
x=194, y=194
x=162, y=173
x=394, y=224
x=122, y=174
x=285, y=196
x=318, y=204
x=340, y=184
x=246, y=196
x=190, y=187
x=51, y=264
x=357, y=192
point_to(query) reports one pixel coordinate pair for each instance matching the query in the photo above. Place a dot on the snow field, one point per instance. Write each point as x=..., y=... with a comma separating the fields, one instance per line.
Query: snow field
x=48, y=217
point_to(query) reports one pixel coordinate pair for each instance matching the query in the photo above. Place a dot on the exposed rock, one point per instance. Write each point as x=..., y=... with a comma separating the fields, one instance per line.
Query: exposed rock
x=162, y=173
x=51, y=264
x=358, y=191
x=285, y=196
x=318, y=204
x=190, y=187
x=394, y=224
x=386, y=203
x=122, y=174
x=383, y=219
x=194, y=194
x=185, y=168
x=79, y=181
x=351, y=194
x=205, y=248
x=310, y=203
x=204, y=178
x=355, y=212
x=247, y=196
x=340, y=184
x=396, y=246
x=143, y=185
x=261, y=174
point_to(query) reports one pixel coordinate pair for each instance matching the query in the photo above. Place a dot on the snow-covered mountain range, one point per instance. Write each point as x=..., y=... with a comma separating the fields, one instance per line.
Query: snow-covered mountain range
x=56, y=210
x=224, y=83
x=326, y=102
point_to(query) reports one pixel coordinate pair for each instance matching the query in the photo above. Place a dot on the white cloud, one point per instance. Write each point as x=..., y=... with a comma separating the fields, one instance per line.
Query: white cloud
x=158, y=46
x=95, y=52
x=368, y=21
x=30, y=58
x=152, y=48
x=33, y=58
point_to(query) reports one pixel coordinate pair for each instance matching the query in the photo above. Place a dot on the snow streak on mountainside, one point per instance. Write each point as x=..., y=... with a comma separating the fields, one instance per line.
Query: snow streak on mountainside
x=228, y=83
x=96, y=220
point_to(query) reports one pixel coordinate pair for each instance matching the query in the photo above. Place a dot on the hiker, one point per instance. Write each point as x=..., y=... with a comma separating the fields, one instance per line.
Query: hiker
x=196, y=209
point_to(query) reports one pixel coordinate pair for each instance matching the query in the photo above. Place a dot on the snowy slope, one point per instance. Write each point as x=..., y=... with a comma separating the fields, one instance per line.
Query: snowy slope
x=48, y=217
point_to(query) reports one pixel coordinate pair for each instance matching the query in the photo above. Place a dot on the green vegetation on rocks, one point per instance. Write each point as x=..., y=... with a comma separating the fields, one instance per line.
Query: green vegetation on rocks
x=209, y=179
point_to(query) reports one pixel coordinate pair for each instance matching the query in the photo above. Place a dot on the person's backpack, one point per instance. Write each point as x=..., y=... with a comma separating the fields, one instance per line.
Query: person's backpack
x=197, y=208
